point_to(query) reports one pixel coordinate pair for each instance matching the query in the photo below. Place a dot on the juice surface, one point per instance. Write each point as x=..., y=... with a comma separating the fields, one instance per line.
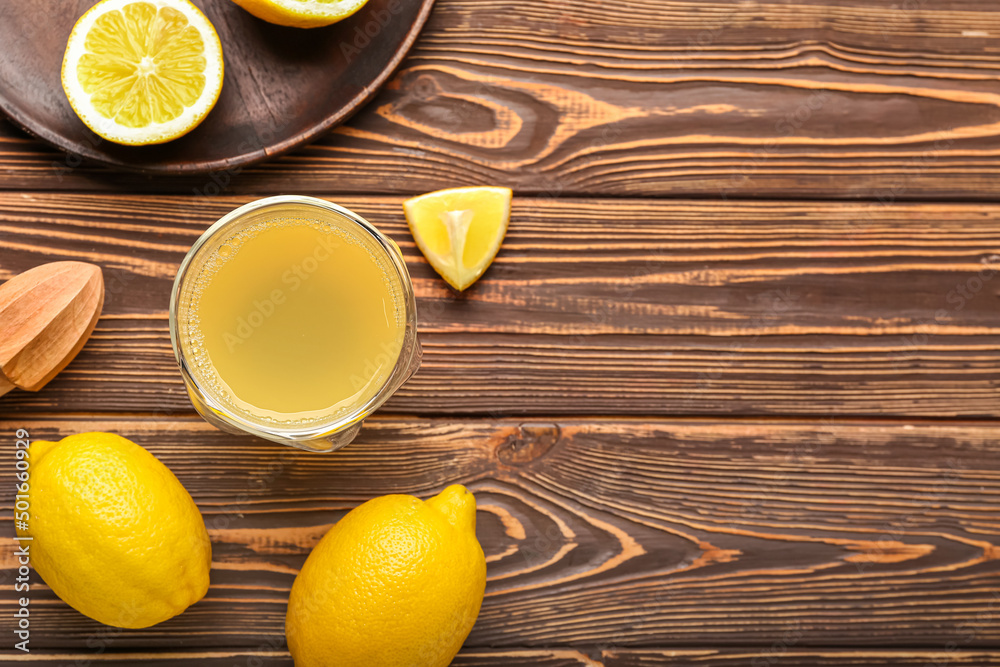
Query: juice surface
x=294, y=321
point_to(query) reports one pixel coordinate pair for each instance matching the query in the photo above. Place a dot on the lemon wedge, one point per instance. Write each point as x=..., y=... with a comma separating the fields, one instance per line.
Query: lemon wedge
x=459, y=230
x=142, y=72
x=301, y=13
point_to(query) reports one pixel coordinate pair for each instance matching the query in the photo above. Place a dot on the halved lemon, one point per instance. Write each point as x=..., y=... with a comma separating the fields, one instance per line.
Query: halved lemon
x=141, y=72
x=460, y=230
x=301, y=13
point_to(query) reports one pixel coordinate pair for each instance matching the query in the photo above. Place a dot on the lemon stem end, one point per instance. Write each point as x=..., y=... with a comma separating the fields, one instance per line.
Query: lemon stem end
x=458, y=506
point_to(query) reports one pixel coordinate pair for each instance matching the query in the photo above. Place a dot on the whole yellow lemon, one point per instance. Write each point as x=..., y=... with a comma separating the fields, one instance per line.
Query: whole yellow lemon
x=115, y=535
x=398, y=582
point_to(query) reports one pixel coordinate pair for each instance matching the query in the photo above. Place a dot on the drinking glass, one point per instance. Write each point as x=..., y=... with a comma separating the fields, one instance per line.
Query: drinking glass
x=323, y=435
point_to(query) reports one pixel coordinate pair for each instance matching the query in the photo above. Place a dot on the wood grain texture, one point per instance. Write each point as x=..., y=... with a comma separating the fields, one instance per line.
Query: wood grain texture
x=781, y=655
x=598, y=306
x=605, y=533
x=238, y=658
x=811, y=98
x=699, y=432
x=777, y=656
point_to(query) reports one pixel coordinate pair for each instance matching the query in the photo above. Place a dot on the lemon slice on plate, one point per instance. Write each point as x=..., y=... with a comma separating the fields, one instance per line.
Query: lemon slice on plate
x=301, y=13
x=142, y=72
x=460, y=230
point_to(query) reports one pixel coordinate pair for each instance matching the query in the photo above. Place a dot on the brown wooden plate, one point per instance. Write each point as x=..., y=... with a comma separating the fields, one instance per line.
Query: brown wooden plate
x=283, y=86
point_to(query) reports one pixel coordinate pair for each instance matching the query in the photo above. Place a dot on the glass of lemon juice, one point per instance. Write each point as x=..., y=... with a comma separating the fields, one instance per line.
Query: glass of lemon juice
x=293, y=319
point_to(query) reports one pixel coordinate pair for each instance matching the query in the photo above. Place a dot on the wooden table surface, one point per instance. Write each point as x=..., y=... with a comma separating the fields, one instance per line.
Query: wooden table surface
x=727, y=396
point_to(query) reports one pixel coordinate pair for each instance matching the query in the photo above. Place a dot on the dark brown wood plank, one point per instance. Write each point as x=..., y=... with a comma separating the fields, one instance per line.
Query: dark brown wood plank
x=610, y=533
x=128, y=366
x=812, y=98
x=233, y=658
x=781, y=654
x=598, y=306
x=778, y=656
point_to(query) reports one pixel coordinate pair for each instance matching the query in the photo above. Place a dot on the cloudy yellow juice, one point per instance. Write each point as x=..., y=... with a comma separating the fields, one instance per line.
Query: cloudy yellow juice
x=292, y=321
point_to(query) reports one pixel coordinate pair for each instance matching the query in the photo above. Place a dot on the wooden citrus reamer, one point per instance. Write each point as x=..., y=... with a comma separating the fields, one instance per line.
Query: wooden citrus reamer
x=46, y=315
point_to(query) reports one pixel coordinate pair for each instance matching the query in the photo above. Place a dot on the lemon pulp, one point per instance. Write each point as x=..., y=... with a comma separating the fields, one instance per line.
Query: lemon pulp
x=141, y=73
x=460, y=230
x=301, y=13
